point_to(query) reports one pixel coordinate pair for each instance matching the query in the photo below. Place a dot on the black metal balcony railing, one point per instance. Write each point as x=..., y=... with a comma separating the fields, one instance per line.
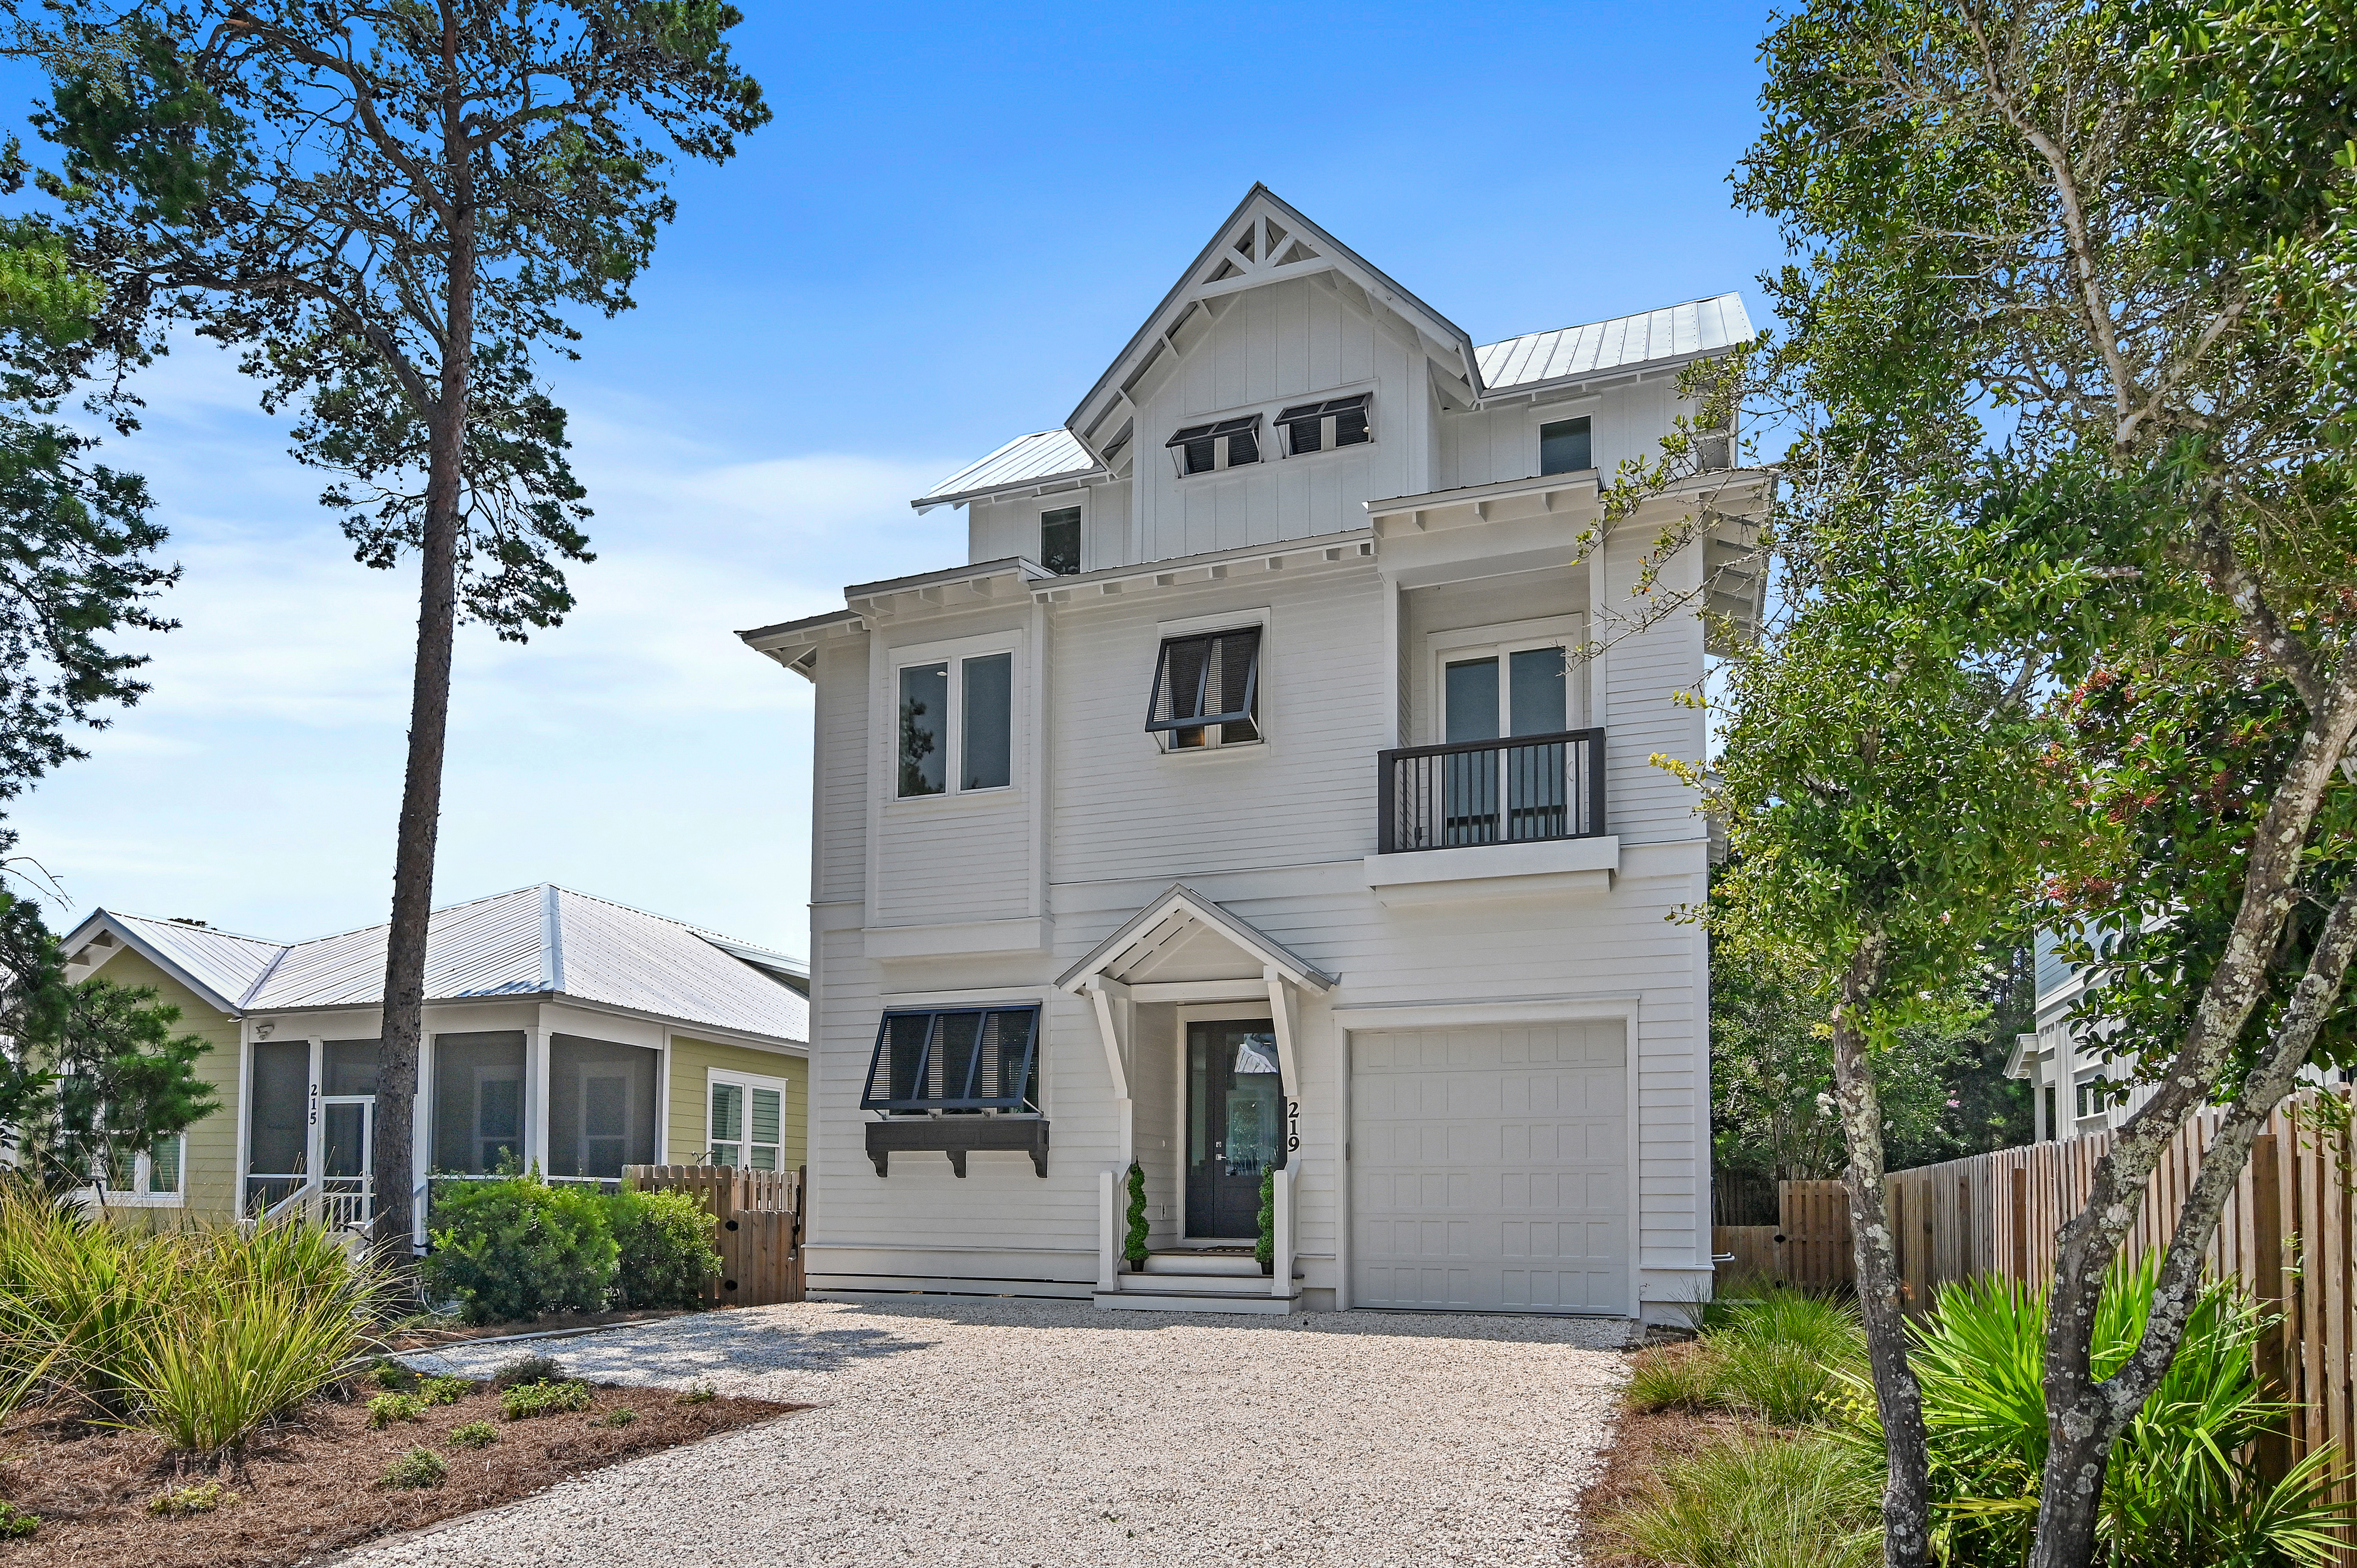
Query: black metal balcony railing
x=1522, y=790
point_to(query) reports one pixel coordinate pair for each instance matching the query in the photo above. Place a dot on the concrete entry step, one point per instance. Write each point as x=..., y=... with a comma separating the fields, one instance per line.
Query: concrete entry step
x=1205, y=1260
x=1196, y=1301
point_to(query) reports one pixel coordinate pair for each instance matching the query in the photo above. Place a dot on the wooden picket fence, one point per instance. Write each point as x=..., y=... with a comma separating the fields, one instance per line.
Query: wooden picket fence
x=757, y=1225
x=2287, y=1234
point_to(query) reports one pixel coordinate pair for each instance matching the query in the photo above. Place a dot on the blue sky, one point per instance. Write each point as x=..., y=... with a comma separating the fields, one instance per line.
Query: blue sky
x=950, y=227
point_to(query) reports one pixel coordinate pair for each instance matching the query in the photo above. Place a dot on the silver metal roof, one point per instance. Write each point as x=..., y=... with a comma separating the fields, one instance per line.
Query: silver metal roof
x=542, y=940
x=1028, y=460
x=1625, y=342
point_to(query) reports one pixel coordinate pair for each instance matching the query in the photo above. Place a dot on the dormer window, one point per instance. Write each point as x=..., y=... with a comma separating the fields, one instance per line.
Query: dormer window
x=1208, y=448
x=1322, y=426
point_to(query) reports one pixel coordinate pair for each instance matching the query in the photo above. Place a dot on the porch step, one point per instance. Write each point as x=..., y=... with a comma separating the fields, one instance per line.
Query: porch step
x=1203, y=1261
x=1190, y=1300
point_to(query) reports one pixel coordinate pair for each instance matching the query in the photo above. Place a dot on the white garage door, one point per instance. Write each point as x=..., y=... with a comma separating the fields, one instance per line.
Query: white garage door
x=1489, y=1168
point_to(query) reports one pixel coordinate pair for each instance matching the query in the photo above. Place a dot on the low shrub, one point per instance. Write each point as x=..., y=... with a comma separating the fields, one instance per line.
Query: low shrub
x=527, y=1370
x=417, y=1468
x=701, y=1394
x=665, y=1255
x=444, y=1390
x=387, y=1373
x=525, y=1400
x=620, y=1415
x=386, y=1409
x=475, y=1434
x=15, y=1523
x=179, y=1502
x=511, y=1249
x=1805, y=1501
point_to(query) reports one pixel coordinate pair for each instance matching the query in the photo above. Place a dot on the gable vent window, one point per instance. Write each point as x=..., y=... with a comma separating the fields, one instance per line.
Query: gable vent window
x=969, y=1060
x=1060, y=541
x=1563, y=447
x=1322, y=426
x=1208, y=448
x=1207, y=690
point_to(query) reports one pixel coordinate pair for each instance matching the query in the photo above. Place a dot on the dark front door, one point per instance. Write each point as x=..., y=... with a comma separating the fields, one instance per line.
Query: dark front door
x=1236, y=1126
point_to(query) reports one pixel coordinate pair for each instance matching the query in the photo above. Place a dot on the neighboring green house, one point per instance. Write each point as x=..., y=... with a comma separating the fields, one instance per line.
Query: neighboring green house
x=561, y=1032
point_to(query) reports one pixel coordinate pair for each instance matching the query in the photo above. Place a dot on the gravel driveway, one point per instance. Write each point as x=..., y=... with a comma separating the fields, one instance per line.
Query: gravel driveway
x=1008, y=1434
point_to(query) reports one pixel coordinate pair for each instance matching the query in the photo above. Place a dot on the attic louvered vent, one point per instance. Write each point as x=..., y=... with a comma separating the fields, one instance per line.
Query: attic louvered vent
x=1226, y=444
x=1321, y=426
x=1207, y=690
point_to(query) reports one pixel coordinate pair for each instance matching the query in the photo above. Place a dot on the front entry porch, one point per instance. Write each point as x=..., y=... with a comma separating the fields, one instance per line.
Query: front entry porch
x=1198, y=1014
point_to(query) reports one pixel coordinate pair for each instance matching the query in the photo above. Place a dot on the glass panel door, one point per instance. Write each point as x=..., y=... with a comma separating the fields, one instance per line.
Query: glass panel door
x=1469, y=780
x=1536, y=792
x=1235, y=1123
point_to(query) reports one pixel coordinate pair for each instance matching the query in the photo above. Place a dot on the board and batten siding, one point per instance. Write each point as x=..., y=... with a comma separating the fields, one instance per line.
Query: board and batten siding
x=692, y=1061
x=1492, y=445
x=210, y=1175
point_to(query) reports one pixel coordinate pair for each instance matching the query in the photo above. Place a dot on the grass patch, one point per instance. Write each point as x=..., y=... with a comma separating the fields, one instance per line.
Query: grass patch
x=1757, y=1502
x=525, y=1400
x=418, y=1468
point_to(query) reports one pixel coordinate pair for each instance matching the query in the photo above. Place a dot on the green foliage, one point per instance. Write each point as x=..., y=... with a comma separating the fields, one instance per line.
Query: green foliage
x=475, y=1434
x=1265, y=1242
x=1134, y=1241
x=664, y=1252
x=200, y=1337
x=446, y=1390
x=417, y=1469
x=15, y=1523
x=391, y=1375
x=526, y=1400
x=1673, y=1377
x=1806, y=1501
x=385, y=1409
x=180, y=1502
x=2182, y=1487
x=703, y=1394
x=620, y=1415
x=510, y=1251
x=1779, y=1357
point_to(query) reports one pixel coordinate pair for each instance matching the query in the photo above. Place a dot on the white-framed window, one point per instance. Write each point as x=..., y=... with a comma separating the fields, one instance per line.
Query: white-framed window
x=953, y=721
x=1567, y=445
x=1327, y=425
x=157, y=1180
x=1215, y=444
x=1059, y=539
x=744, y=1119
x=1501, y=683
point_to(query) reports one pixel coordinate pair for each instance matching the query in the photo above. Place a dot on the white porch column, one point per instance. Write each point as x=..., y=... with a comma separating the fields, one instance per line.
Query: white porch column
x=535, y=1099
x=1116, y=1019
x=1281, y=1276
x=1108, y=1232
x=421, y=1133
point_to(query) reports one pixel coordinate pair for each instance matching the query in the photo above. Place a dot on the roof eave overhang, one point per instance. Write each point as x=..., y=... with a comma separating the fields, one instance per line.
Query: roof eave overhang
x=99, y=919
x=698, y=1027
x=1598, y=380
x=1179, y=898
x=1037, y=485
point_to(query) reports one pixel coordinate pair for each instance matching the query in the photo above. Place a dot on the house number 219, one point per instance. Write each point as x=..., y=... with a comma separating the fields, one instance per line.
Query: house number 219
x=1292, y=1125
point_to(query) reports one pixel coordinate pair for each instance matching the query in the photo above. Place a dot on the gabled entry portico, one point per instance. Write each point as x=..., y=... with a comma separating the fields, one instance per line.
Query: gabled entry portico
x=1199, y=1012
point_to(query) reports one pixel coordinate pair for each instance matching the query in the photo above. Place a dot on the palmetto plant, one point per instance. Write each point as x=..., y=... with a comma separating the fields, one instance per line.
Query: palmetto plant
x=2181, y=1487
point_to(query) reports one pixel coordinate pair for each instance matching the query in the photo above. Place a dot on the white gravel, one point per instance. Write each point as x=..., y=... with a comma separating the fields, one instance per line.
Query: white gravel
x=1007, y=1433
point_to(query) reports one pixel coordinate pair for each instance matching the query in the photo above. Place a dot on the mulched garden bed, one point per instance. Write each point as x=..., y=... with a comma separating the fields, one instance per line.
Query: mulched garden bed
x=1640, y=1442
x=311, y=1487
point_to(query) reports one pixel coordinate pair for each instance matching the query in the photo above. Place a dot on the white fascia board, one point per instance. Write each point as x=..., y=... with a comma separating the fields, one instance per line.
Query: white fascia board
x=126, y=937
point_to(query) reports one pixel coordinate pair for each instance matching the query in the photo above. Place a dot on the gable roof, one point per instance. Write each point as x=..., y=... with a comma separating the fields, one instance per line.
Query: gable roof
x=1179, y=911
x=535, y=941
x=1282, y=244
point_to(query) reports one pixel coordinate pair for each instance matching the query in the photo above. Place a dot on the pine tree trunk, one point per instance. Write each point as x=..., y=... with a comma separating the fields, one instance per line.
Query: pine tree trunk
x=393, y=1165
x=1906, y=1496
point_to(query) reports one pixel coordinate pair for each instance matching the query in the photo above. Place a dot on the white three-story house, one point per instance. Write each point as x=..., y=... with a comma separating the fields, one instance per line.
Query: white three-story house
x=1270, y=793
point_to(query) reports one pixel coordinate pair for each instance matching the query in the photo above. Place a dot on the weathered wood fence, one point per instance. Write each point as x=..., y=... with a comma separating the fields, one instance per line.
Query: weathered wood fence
x=2287, y=1234
x=757, y=1225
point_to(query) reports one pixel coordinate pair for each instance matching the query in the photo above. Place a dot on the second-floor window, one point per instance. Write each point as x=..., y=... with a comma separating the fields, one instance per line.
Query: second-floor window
x=956, y=725
x=1222, y=444
x=1563, y=447
x=1060, y=541
x=1322, y=426
x=1207, y=690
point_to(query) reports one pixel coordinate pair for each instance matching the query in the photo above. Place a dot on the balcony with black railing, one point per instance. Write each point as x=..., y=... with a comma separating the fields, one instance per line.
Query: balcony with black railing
x=1527, y=788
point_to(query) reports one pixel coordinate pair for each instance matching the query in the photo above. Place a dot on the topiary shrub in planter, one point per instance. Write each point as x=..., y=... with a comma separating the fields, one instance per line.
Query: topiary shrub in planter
x=509, y=1251
x=1134, y=1245
x=665, y=1255
x=1264, y=1246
